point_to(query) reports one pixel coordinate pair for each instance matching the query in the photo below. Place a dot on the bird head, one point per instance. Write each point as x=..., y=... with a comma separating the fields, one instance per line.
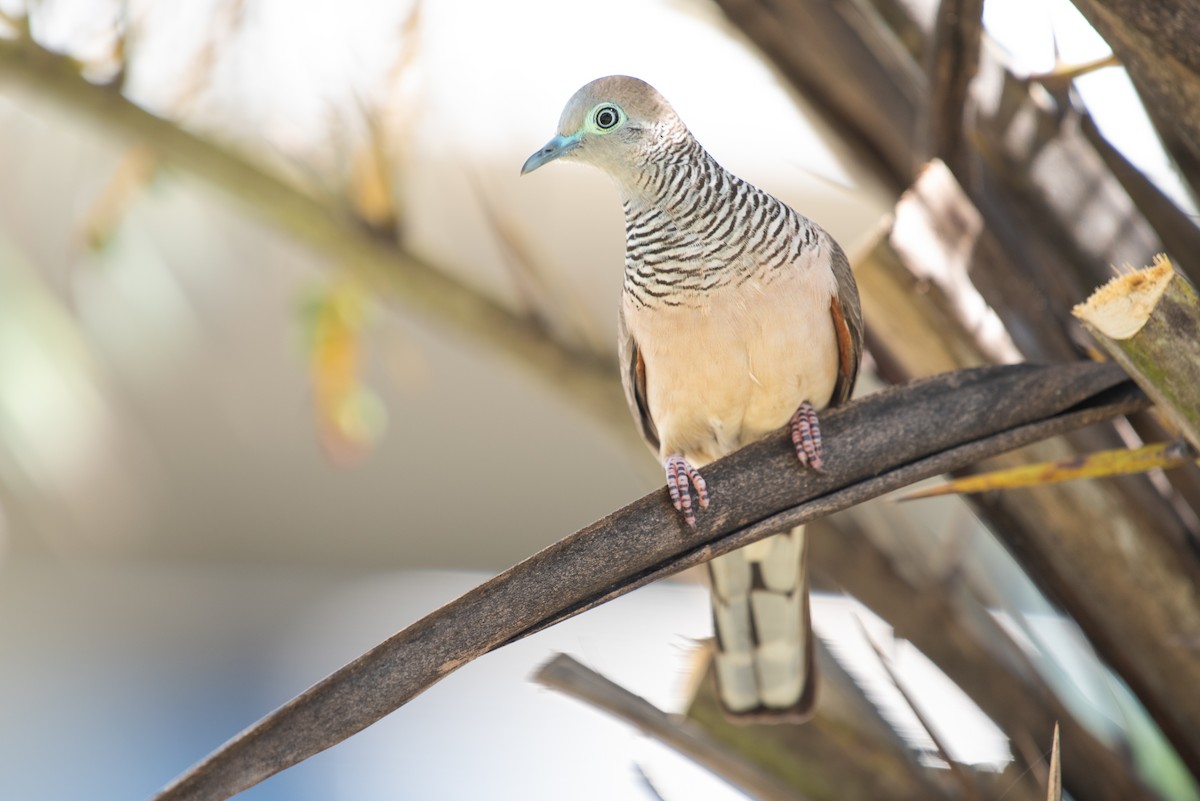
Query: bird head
x=610, y=123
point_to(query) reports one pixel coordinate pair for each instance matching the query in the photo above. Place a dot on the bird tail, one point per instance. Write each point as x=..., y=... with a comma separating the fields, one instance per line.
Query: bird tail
x=764, y=659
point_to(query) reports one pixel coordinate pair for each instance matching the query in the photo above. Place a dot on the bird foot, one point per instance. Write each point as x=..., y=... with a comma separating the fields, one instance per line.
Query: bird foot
x=681, y=479
x=806, y=436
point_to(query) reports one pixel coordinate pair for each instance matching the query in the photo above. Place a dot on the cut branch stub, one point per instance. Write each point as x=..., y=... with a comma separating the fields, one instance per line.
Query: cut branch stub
x=1149, y=321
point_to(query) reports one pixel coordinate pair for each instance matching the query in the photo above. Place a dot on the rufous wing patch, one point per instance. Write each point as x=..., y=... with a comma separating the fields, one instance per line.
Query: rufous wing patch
x=847, y=361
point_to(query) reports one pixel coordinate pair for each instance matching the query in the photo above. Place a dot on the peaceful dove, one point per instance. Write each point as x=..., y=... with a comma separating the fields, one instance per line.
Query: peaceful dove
x=738, y=316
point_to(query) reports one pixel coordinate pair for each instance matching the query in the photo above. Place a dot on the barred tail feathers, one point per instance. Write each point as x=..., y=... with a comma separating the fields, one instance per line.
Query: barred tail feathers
x=764, y=659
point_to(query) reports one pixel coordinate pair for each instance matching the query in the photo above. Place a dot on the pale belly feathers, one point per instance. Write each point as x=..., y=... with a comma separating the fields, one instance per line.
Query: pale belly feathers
x=726, y=373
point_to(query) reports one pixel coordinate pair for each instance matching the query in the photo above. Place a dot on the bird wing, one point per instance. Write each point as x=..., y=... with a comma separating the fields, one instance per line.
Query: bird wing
x=846, y=311
x=633, y=379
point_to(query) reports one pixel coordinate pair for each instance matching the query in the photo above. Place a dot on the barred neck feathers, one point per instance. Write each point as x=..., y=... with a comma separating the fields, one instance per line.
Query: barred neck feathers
x=692, y=227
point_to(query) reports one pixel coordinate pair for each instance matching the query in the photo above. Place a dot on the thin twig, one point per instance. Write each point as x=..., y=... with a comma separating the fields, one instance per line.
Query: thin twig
x=1054, y=783
x=964, y=776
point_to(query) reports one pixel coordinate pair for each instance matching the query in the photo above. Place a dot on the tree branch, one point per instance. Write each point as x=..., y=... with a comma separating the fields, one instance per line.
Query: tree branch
x=1159, y=44
x=1179, y=233
x=585, y=377
x=840, y=54
x=568, y=676
x=957, y=33
x=939, y=616
x=847, y=750
x=875, y=445
x=1147, y=321
x=1149, y=582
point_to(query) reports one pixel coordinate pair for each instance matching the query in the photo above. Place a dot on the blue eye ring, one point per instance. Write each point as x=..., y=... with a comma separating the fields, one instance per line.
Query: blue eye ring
x=606, y=117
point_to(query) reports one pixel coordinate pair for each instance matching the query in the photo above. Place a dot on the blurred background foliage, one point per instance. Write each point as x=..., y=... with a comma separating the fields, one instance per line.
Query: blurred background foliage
x=281, y=328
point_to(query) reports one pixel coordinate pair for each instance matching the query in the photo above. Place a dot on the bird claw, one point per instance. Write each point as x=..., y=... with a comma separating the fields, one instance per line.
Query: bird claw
x=681, y=478
x=806, y=436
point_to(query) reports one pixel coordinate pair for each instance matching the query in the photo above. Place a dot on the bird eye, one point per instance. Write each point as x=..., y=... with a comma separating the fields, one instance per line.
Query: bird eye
x=606, y=117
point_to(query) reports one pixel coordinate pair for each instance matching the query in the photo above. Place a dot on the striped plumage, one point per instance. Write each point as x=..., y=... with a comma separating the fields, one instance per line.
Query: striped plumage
x=694, y=227
x=738, y=315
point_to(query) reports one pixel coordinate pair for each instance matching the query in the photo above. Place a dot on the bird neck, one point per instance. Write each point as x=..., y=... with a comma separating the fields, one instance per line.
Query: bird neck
x=692, y=227
x=666, y=175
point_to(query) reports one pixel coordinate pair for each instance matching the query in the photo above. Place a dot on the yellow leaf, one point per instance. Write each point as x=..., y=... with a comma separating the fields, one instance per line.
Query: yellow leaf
x=350, y=417
x=1097, y=465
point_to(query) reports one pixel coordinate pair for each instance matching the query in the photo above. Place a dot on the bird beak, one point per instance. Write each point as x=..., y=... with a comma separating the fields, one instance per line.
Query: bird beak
x=557, y=147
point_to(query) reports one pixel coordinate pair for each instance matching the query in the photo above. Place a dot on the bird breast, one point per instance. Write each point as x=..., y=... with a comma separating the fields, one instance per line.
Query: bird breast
x=734, y=363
